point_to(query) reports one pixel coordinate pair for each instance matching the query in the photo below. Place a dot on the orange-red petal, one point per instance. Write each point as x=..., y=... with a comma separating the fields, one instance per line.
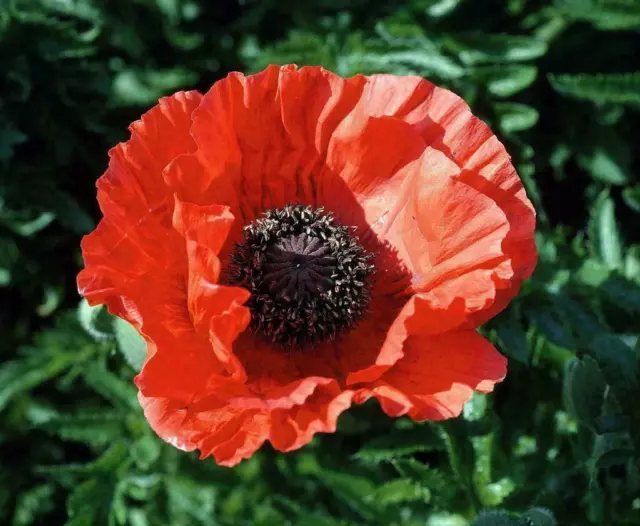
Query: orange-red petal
x=437, y=375
x=133, y=243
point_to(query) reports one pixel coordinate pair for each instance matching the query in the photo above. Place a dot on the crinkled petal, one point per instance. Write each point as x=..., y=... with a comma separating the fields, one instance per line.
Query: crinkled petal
x=134, y=247
x=134, y=180
x=206, y=229
x=446, y=123
x=178, y=367
x=292, y=429
x=216, y=310
x=437, y=375
x=168, y=418
x=232, y=431
x=482, y=171
x=229, y=434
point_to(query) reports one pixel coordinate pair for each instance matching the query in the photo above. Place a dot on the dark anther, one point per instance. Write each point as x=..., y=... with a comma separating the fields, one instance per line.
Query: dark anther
x=309, y=277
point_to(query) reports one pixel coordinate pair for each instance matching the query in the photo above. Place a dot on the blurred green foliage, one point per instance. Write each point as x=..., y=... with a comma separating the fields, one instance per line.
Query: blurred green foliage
x=558, y=442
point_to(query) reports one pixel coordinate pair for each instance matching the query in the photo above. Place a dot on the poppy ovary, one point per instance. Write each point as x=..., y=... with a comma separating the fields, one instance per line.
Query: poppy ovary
x=308, y=275
x=299, y=266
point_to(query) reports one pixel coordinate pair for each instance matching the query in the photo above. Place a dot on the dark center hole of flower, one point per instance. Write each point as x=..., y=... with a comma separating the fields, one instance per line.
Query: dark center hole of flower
x=308, y=275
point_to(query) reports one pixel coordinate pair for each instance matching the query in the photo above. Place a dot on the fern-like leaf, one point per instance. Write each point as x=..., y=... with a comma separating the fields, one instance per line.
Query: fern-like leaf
x=608, y=15
x=617, y=88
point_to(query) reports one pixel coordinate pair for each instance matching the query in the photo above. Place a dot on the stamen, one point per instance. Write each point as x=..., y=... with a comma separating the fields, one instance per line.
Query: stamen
x=309, y=277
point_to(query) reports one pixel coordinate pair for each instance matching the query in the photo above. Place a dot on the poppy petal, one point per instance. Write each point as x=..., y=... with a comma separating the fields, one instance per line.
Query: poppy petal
x=133, y=181
x=168, y=419
x=437, y=375
x=478, y=250
x=453, y=238
x=205, y=229
x=447, y=124
x=232, y=431
x=124, y=250
x=295, y=428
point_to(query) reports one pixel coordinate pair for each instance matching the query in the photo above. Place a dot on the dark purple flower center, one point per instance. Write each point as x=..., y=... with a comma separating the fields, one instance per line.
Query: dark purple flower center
x=309, y=277
x=299, y=266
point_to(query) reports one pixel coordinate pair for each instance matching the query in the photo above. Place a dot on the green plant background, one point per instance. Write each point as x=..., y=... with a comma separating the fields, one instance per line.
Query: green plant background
x=559, y=440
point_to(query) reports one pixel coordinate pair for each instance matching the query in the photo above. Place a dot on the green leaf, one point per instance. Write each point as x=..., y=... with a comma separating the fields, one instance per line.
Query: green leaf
x=146, y=86
x=18, y=376
x=441, y=485
x=482, y=48
x=620, y=369
x=461, y=456
x=618, y=88
x=132, y=346
x=68, y=211
x=97, y=499
x=85, y=517
x=606, y=165
x=446, y=519
x=540, y=517
x=551, y=327
x=95, y=320
x=113, y=459
x=527, y=174
x=498, y=518
x=609, y=449
x=632, y=264
x=618, y=364
x=399, y=443
x=490, y=493
x=141, y=487
x=5, y=277
x=97, y=427
x=301, y=46
x=603, y=231
x=352, y=490
x=475, y=409
x=187, y=497
x=611, y=15
x=506, y=80
x=146, y=451
x=120, y=393
x=50, y=302
x=559, y=158
x=170, y=9
x=410, y=467
x=32, y=504
x=513, y=340
x=515, y=117
x=584, y=325
x=623, y=292
x=583, y=390
x=631, y=196
x=425, y=62
x=10, y=137
x=399, y=491
x=441, y=8
x=27, y=227
x=612, y=423
x=83, y=502
x=593, y=273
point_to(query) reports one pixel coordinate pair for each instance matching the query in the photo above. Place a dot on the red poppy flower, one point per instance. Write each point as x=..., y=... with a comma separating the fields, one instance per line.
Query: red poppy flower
x=293, y=242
